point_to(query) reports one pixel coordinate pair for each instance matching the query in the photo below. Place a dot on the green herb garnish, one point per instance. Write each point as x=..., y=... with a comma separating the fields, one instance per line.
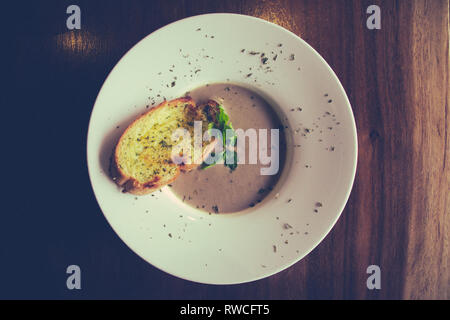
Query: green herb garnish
x=228, y=143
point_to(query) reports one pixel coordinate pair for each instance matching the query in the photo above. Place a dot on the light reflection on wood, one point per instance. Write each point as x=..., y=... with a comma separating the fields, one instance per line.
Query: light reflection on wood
x=79, y=43
x=275, y=12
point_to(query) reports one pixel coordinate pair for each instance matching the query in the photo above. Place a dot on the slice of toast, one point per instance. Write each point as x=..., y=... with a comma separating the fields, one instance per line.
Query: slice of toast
x=142, y=160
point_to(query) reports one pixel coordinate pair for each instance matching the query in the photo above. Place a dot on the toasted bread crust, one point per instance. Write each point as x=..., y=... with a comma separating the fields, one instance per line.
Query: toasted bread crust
x=133, y=186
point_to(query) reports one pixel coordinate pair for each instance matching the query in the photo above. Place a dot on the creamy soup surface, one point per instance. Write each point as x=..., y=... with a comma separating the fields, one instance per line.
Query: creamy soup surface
x=218, y=189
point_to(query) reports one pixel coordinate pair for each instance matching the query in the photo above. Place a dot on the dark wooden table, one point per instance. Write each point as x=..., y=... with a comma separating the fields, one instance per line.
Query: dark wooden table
x=397, y=217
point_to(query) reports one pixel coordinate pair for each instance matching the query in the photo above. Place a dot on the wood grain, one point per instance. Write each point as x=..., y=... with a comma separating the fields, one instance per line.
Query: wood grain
x=397, y=217
x=427, y=264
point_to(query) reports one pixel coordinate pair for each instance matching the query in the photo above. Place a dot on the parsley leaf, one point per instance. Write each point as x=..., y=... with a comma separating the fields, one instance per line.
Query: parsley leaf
x=229, y=142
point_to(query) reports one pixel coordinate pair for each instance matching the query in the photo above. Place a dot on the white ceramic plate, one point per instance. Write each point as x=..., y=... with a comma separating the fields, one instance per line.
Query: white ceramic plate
x=316, y=182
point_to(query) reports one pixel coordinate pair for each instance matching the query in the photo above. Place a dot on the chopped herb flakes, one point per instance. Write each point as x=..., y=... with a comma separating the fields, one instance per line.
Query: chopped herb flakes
x=287, y=226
